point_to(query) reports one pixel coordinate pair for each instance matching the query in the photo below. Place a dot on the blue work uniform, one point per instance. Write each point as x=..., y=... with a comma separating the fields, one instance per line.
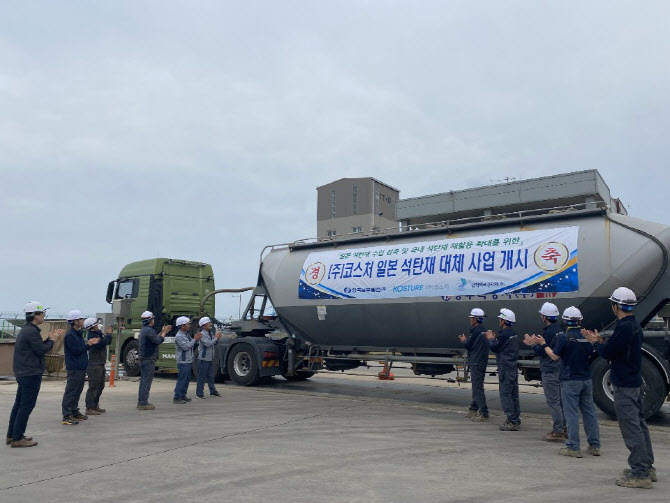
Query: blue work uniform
x=506, y=348
x=551, y=383
x=624, y=351
x=478, y=358
x=206, y=362
x=76, y=363
x=576, y=387
x=149, y=341
x=184, y=353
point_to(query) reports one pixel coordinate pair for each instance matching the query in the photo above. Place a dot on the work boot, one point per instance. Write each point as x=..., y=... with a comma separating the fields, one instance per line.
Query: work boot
x=215, y=393
x=626, y=473
x=24, y=442
x=634, y=482
x=178, y=401
x=186, y=399
x=472, y=413
x=69, y=420
x=554, y=436
x=593, y=450
x=479, y=419
x=8, y=441
x=101, y=411
x=92, y=412
x=148, y=406
x=507, y=426
x=573, y=453
x=80, y=417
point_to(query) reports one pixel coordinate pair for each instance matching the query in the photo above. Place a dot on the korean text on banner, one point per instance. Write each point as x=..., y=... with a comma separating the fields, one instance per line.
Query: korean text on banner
x=542, y=261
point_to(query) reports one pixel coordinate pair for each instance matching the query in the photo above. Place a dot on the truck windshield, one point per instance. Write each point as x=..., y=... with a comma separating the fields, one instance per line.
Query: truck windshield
x=126, y=289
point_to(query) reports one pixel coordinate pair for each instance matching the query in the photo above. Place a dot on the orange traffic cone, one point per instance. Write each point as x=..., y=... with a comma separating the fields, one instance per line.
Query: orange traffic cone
x=386, y=374
x=112, y=371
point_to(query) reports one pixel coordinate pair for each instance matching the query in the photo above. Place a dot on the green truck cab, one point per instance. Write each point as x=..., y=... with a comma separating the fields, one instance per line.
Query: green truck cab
x=168, y=288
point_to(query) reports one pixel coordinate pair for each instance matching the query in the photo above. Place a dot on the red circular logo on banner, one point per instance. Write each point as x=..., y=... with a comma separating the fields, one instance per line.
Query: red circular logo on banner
x=552, y=256
x=314, y=273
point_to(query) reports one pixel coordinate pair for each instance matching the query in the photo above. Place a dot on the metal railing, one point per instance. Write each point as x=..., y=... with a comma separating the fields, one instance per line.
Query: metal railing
x=450, y=225
x=9, y=328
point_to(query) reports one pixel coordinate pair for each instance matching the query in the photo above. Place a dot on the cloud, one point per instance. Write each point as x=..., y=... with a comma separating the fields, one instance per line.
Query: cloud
x=200, y=130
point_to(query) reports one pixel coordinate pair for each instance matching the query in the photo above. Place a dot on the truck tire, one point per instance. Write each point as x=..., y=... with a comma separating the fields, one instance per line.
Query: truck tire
x=243, y=365
x=653, y=387
x=131, y=359
x=300, y=376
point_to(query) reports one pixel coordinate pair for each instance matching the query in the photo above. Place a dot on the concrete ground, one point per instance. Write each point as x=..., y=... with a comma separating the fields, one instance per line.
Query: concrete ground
x=334, y=438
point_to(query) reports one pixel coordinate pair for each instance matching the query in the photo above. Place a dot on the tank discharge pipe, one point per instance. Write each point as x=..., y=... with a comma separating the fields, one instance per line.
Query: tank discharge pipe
x=221, y=290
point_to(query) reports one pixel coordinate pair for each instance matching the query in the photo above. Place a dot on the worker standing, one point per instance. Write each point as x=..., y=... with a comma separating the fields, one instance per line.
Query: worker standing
x=206, y=351
x=28, y=365
x=149, y=341
x=550, y=370
x=97, y=357
x=76, y=363
x=478, y=358
x=574, y=352
x=624, y=351
x=505, y=345
x=184, y=354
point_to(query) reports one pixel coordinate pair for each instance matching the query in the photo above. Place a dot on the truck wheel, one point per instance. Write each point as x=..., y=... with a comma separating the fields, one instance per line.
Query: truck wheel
x=131, y=359
x=300, y=376
x=653, y=386
x=243, y=365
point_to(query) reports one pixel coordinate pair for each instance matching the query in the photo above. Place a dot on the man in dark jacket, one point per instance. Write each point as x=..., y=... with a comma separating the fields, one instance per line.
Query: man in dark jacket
x=97, y=357
x=149, y=341
x=29, y=351
x=624, y=351
x=550, y=369
x=76, y=363
x=478, y=359
x=505, y=345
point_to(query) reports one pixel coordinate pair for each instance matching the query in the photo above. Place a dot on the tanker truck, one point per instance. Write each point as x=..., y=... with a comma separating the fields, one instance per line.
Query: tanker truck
x=404, y=294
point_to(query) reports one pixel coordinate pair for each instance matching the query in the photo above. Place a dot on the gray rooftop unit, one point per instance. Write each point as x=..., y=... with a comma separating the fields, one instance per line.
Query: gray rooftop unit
x=554, y=191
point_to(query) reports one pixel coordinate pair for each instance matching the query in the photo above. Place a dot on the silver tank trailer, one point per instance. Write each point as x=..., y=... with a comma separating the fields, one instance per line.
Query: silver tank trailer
x=614, y=250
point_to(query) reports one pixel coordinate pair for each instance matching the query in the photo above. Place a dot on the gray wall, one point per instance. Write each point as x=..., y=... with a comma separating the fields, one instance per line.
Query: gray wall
x=373, y=197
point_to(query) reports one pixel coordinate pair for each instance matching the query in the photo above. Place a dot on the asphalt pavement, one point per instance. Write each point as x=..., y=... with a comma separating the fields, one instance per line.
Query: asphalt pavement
x=335, y=438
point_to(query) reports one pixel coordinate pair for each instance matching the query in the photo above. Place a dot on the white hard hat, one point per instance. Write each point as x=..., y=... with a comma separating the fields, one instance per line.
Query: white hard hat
x=182, y=320
x=90, y=322
x=147, y=315
x=549, y=309
x=624, y=296
x=477, y=313
x=75, y=314
x=507, y=315
x=203, y=321
x=34, y=307
x=572, y=313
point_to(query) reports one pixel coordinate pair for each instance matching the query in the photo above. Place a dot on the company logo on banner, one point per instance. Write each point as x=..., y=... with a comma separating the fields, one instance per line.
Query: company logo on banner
x=533, y=262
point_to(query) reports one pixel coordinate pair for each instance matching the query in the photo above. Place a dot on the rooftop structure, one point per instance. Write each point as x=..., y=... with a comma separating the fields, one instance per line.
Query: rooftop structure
x=579, y=189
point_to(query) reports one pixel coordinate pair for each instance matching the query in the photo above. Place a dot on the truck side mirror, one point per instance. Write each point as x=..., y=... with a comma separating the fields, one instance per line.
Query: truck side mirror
x=110, y=291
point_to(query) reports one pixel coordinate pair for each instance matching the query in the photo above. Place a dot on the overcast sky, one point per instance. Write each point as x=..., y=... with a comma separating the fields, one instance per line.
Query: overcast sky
x=201, y=129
